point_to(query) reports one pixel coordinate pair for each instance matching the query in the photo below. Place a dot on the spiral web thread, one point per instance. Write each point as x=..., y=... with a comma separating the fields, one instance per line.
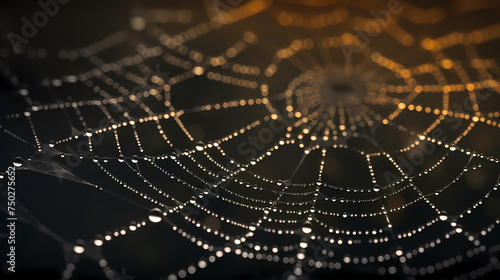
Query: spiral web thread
x=212, y=171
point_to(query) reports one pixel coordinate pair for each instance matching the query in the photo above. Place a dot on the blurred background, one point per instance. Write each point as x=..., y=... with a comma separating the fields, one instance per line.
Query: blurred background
x=58, y=202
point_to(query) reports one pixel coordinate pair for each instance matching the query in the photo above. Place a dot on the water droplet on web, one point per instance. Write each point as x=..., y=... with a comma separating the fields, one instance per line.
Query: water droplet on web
x=252, y=226
x=108, y=235
x=199, y=146
x=198, y=70
x=88, y=133
x=155, y=215
x=121, y=158
x=443, y=216
x=202, y=264
x=99, y=240
x=307, y=227
x=133, y=226
x=135, y=159
x=303, y=243
x=18, y=162
x=138, y=23
x=376, y=188
x=95, y=159
x=399, y=251
x=52, y=144
x=79, y=247
x=23, y=92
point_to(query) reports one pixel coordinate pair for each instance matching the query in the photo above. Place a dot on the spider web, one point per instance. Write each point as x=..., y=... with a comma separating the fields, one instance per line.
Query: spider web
x=258, y=131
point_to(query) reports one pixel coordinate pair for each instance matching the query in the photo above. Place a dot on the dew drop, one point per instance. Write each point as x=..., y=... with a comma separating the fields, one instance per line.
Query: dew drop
x=52, y=144
x=198, y=70
x=18, y=162
x=132, y=226
x=443, y=216
x=23, y=92
x=138, y=23
x=199, y=146
x=155, y=215
x=399, y=251
x=135, y=159
x=202, y=264
x=307, y=227
x=79, y=246
x=252, y=227
x=88, y=133
x=99, y=240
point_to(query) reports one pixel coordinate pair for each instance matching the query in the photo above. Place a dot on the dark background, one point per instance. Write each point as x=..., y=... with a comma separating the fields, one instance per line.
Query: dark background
x=73, y=210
